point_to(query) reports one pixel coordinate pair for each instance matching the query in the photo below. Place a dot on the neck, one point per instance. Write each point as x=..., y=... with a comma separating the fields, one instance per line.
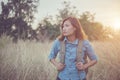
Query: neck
x=71, y=38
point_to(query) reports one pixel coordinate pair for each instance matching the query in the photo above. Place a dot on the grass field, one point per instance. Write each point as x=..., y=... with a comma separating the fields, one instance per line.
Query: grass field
x=29, y=60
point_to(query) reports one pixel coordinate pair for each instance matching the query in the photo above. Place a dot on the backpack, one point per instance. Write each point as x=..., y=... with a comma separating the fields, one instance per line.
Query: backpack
x=78, y=55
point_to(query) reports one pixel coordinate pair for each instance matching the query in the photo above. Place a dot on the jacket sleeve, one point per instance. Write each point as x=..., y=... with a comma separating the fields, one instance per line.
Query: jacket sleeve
x=54, y=50
x=90, y=51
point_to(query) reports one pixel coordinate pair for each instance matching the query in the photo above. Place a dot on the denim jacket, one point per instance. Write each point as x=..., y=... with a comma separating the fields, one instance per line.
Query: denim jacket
x=70, y=72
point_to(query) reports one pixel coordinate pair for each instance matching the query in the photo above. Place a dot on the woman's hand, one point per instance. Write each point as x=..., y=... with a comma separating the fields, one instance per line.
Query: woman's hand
x=60, y=66
x=80, y=66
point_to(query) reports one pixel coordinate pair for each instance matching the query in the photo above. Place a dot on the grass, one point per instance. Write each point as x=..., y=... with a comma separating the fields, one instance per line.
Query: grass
x=29, y=60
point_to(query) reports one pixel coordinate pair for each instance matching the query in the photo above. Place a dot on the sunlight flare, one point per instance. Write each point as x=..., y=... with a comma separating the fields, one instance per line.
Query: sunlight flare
x=116, y=24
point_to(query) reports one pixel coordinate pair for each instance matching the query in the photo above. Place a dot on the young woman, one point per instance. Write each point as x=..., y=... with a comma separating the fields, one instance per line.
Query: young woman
x=72, y=33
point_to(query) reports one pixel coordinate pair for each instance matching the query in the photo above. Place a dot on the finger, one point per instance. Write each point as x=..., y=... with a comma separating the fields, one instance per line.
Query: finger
x=79, y=63
x=60, y=64
x=63, y=64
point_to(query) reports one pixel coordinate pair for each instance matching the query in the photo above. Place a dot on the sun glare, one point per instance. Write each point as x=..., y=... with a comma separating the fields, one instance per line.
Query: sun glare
x=116, y=24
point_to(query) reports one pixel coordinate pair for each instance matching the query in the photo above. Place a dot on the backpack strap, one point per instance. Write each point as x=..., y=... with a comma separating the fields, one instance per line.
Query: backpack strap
x=79, y=54
x=62, y=52
x=79, y=51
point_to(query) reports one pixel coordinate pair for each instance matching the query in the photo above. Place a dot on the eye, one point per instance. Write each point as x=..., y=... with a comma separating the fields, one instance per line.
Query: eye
x=66, y=25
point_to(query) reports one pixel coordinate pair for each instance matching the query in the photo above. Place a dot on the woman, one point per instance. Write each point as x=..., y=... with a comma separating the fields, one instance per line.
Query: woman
x=72, y=34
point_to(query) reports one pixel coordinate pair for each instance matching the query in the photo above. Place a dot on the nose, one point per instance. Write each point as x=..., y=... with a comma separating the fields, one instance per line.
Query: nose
x=63, y=29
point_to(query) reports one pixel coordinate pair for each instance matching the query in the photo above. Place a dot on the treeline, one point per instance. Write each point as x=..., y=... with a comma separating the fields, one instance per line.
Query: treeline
x=17, y=17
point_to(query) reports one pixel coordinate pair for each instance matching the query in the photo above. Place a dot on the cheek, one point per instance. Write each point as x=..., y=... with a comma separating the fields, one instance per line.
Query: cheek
x=72, y=30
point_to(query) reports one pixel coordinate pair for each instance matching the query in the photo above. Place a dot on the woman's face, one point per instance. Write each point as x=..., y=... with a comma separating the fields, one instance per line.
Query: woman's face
x=68, y=28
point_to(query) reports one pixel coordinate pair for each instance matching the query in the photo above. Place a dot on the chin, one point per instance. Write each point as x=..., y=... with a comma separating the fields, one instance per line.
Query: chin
x=65, y=35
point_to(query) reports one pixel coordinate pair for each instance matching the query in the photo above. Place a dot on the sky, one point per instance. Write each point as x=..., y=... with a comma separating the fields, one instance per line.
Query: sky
x=106, y=11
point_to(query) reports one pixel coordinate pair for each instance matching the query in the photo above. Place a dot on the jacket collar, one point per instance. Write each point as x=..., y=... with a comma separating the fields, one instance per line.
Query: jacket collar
x=75, y=42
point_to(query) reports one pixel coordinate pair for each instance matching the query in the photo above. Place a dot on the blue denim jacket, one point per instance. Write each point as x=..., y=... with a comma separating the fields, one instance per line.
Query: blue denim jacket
x=70, y=72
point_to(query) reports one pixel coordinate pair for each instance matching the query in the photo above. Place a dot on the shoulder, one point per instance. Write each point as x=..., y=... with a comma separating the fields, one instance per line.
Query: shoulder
x=56, y=42
x=86, y=43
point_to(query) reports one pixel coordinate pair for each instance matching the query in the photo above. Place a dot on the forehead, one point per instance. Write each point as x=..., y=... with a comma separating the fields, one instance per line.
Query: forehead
x=67, y=22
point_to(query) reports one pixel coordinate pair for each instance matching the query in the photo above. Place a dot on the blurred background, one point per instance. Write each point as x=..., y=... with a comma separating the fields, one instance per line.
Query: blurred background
x=28, y=28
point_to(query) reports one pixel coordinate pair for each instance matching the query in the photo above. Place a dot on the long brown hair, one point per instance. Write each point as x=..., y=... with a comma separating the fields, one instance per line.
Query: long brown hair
x=80, y=34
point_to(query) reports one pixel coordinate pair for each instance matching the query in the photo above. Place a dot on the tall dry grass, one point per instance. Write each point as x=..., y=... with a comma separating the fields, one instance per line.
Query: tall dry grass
x=29, y=61
x=108, y=64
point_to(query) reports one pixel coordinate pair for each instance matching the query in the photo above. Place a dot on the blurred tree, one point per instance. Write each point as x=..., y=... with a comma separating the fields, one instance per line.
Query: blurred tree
x=47, y=29
x=5, y=22
x=94, y=30
x=66, y=11
x=16, y=17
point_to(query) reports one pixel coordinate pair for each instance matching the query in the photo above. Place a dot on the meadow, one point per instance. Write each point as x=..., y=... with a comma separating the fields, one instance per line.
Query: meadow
x=28, y=60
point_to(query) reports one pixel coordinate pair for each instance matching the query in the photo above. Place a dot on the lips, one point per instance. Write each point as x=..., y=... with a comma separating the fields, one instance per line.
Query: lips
x=64, y=32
